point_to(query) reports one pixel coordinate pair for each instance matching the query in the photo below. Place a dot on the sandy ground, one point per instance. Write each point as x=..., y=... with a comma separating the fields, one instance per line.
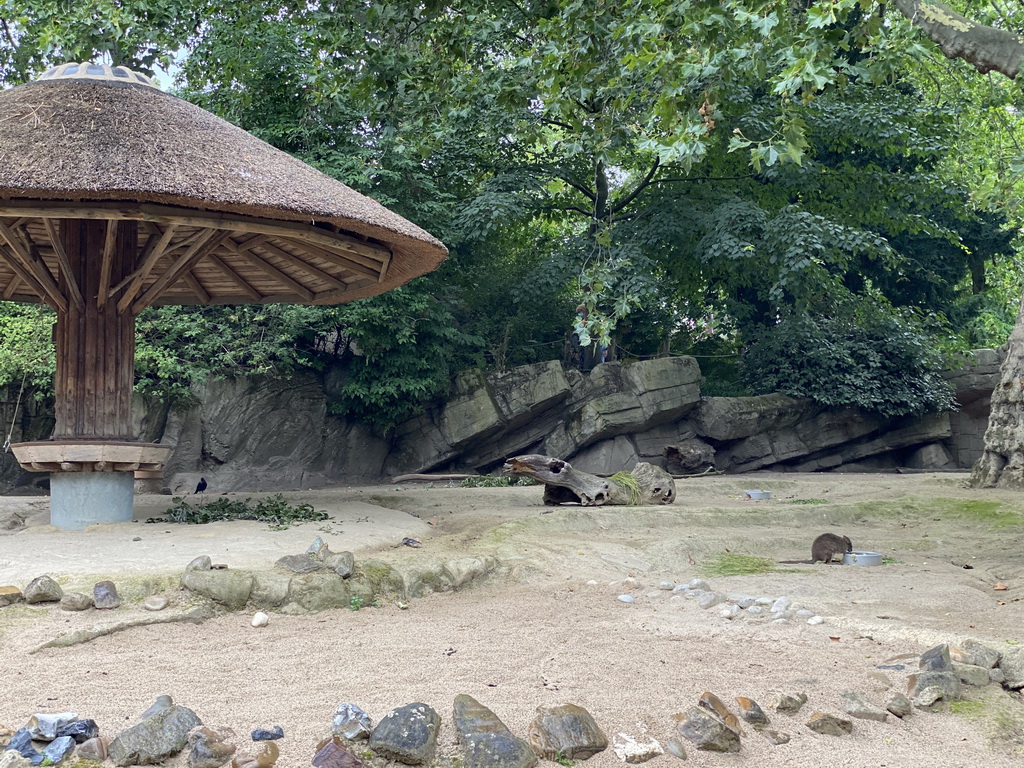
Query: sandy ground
x=549, y=630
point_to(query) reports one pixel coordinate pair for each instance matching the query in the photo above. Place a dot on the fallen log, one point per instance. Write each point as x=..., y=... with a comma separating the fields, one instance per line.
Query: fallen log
x=646, y=484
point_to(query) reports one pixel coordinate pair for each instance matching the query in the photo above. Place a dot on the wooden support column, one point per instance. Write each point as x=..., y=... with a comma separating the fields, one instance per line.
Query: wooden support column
x=95, y=343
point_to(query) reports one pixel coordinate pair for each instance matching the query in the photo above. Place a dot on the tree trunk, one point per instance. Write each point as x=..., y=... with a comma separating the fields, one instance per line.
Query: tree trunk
x=565, y=485
x=1002, y=463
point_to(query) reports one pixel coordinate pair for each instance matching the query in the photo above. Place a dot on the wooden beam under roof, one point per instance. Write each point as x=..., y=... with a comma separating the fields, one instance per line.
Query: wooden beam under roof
x=184, y=263
x=64, y=263
x=154, y=249
x=30, y=260
x=109, y=242
x=261, y=241
x=271, y=271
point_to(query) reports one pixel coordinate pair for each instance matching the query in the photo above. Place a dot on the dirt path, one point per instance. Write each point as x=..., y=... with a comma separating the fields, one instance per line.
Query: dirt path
x=551, y=630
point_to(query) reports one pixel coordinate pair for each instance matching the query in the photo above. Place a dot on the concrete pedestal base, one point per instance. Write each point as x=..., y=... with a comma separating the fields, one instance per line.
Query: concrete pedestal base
x=81, y=499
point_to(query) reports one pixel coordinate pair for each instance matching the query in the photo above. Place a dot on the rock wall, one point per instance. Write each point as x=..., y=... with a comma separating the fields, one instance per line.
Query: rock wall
x=265, y=434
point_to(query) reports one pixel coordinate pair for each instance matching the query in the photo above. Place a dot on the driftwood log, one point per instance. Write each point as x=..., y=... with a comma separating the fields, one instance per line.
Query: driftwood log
x=646, y=484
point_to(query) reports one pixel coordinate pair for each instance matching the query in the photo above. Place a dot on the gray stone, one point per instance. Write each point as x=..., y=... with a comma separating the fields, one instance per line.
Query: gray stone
x=757, y=611
x=318, y=549
x=856, y=705
x=730, y=418
x=706, y=732
x=43, y=589
x=407, y=734
x=751, y=711
x=351, y=722
x=465, y=570
x=161, y=704
x=486, y=741
x=229, y=588
x=947, y=682
x=626, y=599
x=776, y=737
x=316, y=592
x=689, y=456
x=269, y=589
x=45, y=726
x=11, y=759
x=75, y=601
x=155, y=603
x=970, y=674
x=607, y=456
x=104, y=595
x=201, y=563
x=996, y=675
x=899, y=705
x=634, y=751
x=154, y=739
x=675, y=747
x=1011, y=664
x=973, y=652
x=788, y=704
x=94, y=749
x=566, y=731
x=936, y=659
x=58, y=749
x=9, y=595
x=332, y=753
x=699, y=584
x=933, y=456
x=781, y=604
x=341, y=563
x=829, y=725
x=710, y=599
x=927, y=696
x=304, y=563
x=210, y=747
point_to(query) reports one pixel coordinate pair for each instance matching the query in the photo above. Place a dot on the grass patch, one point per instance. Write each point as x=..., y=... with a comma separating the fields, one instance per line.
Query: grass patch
x=628, y=481
x=967, y=708
x=728, y=564
x=492, y=481
x=806, y=501
x=994, y=514
x=273, y=510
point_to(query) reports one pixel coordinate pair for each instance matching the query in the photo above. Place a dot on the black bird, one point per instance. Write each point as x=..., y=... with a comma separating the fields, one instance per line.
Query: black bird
x=202, y=485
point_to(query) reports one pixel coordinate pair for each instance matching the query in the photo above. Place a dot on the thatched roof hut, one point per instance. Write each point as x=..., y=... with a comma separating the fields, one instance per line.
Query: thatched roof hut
x=222, y=216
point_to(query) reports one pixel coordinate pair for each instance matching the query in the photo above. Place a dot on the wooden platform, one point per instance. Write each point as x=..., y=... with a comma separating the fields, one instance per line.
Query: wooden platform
x=90, y=456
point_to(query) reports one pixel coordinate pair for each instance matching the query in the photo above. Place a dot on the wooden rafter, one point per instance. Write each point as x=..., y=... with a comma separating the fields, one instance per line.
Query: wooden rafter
x=234, y=277
x=25, y=276
x=197, y=288
x=155, y=247
x=261, y=241
x=109, y=242
x=64, y=263
x=347, y=262
x=30, y=260
x=12, y=286
x=271, y=271
x=182, y=264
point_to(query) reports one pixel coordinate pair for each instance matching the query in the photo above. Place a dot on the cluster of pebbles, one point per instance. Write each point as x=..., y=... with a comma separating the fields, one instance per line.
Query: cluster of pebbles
x=775, y=609
x=43, y=589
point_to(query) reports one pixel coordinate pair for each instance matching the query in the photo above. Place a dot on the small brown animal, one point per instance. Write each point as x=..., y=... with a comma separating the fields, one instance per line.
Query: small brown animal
x=828, y=545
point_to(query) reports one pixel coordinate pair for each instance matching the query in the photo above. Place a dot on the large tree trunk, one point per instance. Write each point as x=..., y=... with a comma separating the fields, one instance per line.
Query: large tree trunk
x=987, y=49
x=1002, y=463
x=565, y=485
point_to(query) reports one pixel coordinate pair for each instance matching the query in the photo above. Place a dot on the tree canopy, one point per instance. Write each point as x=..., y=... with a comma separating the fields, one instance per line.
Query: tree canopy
x=698, y=175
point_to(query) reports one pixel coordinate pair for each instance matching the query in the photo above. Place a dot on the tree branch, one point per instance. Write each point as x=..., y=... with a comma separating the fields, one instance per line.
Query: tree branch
x=639, y=188
x=987, y=49
x=590, y=195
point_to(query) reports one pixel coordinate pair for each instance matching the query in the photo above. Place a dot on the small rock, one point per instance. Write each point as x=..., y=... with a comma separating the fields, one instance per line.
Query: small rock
x=707, y=732
x=411, y=542
x=351, y=722
x=814, y=620
x=970, y=674
x=210, y=747
x=710, y=599
x=21, y=744
x=699, y=584
x=716, y=706
x=788, y=704
x=486, y=741
x=996, y=675
x=79, y=730
x=104, y=595
x=936, y=659
x=5, y=736
x=75, y=601
x=756, y=610
x=341, y=563
x=630, y=583
x=407, y=734
x=675, y=747
x=929, y=695
x=751, y=711
x=666, y=585
x=787, y=614
x=299, y=563
x=45, y=726
x=260, y=619
x=776, y=737
x=626, y=599
x=9, y=595
x=1011, y=663
x=856, y=705
x=973, y=652
x=730, y=613
x=58, y=749
x=43, y=589
x=318, y=549
x=162, y=704
x=803, y=613
x=899, y=705
x=268, y=734
x=266, y=757
x=630, y=750
x=782, y=604
x=765, y=602
x=94, y=749
x=201, y=563
x=566, y=731
x=155, y=603
x=829, y=725
x=332, y=753
x=157, y=737
x=694, y=594
x=11, y=759
x=947, y=682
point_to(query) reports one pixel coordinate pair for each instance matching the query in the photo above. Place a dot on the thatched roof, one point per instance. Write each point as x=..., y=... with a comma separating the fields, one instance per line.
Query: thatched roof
x=119, y=149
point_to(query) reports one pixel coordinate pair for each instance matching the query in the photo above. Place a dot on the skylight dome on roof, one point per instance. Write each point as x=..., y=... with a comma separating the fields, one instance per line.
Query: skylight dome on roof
x=94, y=71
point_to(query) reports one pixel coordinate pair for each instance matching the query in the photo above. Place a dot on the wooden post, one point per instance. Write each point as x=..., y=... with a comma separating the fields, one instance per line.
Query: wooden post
x=95, y=343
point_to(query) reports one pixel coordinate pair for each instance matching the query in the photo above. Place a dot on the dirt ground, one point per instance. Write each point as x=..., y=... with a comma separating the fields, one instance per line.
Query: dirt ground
x=550, y=629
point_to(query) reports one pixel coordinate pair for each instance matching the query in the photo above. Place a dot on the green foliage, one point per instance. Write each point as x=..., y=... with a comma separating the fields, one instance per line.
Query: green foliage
x=806, y=501
x=273, y=510
x=628, y=481
x=731, y=564
x=356, y=603
x=866, y=358
x=491, y=481
x=26, y=346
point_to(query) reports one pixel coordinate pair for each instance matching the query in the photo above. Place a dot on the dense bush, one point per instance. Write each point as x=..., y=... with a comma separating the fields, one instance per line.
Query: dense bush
x=870, y=358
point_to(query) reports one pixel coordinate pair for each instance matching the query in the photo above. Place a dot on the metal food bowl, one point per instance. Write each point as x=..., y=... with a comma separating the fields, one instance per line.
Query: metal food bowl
x=862, y=558
x=758, y=494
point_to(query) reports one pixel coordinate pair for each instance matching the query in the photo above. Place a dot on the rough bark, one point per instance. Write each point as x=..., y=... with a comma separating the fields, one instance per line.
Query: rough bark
x=987, y=49
x=565, y=485
x=1002, y=463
